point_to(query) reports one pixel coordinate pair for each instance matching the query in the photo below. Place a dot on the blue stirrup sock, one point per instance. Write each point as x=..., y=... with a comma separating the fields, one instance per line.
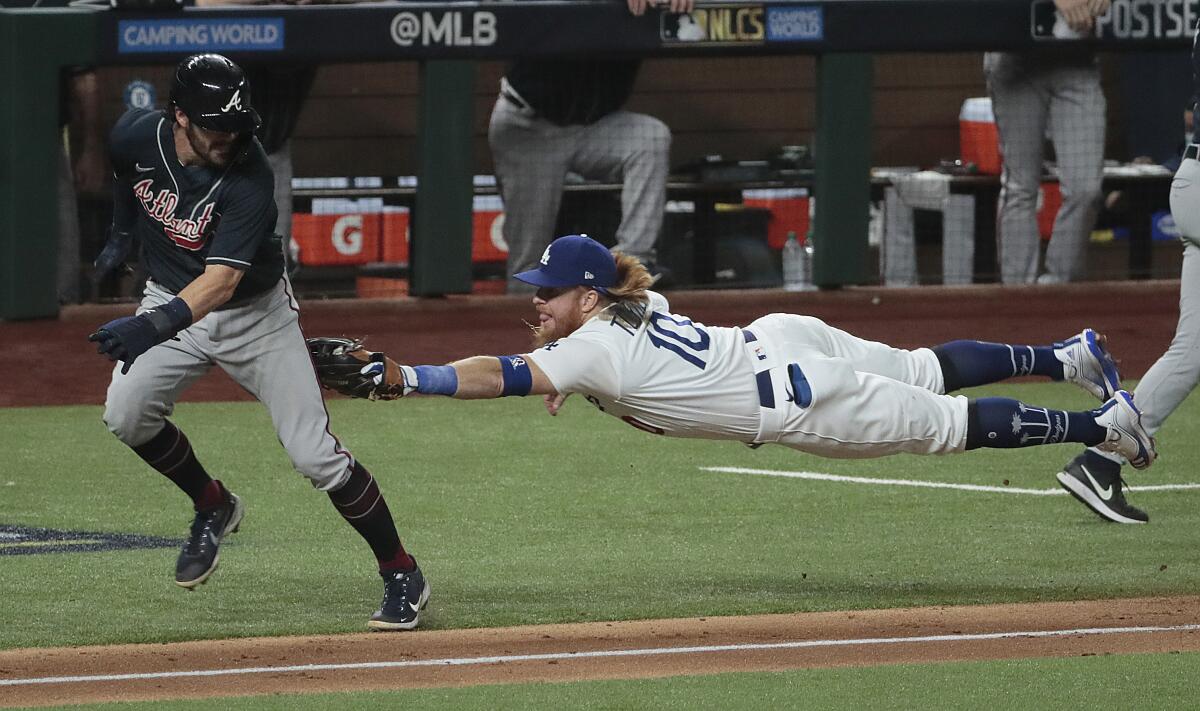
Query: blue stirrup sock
x=998, y=422
x=968, y=363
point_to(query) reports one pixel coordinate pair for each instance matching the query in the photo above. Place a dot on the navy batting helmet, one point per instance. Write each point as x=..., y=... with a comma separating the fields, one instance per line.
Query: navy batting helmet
x=214, y=93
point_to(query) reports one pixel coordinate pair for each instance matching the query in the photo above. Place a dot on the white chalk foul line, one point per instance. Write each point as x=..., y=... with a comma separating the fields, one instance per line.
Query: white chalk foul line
x=818, y=476
x=605, y=653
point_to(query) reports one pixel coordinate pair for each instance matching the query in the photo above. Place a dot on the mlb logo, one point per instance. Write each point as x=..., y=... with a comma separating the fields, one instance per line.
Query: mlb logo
x=759, y=353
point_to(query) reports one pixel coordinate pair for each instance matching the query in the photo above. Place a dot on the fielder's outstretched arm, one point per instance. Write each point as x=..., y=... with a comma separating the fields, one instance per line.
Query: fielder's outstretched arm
x=345, y=366
x=481, y=377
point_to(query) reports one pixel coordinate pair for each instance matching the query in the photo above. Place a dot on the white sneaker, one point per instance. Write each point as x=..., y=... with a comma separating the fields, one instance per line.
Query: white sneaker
x=1087, y=363
x=1126, y=436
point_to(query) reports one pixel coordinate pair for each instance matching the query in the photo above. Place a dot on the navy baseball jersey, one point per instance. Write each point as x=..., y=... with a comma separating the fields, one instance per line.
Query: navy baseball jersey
x=187, y=217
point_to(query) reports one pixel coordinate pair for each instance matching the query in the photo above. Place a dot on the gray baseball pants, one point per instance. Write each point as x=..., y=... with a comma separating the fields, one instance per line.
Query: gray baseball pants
x=260, y=345
x=532, y=157
x=1030, y=101
x=1177, y=371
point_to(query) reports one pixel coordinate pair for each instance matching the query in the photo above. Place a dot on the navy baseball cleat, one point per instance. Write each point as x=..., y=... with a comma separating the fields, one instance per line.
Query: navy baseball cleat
x=199, y=556
x=1126, y=436
x=1096, y=482
x=405, y=594
x=1088, y=364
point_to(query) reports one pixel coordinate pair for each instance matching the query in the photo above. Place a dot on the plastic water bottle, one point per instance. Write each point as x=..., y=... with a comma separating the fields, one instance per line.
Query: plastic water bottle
x=797, y=265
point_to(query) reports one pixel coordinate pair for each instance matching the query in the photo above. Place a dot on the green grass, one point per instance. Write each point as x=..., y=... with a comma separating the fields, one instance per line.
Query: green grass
x=1135, y=681
x=520, y=518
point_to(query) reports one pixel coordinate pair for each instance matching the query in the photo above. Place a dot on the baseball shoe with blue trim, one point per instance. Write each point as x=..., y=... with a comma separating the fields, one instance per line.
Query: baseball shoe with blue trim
x=405, y=594
x=1095, y=481
x=1088, y=364
x=200, y=554
x=1126, y=436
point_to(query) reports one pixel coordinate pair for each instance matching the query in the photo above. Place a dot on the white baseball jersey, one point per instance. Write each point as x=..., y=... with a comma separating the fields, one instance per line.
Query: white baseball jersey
x=659, y=372
x=784, y=378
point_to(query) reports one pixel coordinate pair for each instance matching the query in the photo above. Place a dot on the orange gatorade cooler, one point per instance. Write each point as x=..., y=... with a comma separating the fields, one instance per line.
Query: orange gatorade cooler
x=979, y=143
x=487, y=242
x=789, y=212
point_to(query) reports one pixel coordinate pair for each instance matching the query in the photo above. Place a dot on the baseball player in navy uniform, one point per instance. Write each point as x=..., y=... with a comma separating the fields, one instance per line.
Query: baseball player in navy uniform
x=787, y=379
x=1094, y=477
x=194, y=188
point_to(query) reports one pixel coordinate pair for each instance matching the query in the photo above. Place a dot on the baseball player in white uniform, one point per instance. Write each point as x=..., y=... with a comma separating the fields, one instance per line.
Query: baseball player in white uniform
x=787, y=379
x=1094, y=477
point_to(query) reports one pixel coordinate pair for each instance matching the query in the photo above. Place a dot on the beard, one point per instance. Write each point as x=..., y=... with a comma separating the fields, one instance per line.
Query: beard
x=217, y=156
x=540, y=336
x=561, y=329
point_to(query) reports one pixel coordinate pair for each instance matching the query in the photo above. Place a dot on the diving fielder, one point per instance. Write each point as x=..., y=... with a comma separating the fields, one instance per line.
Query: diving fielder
x=787, y=379
x=193, y=186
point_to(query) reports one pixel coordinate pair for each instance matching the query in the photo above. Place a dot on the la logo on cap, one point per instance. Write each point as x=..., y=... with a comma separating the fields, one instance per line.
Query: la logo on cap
x=546, y=256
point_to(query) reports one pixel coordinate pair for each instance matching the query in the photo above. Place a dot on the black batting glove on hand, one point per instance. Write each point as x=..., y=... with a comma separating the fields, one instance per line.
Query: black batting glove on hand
x=112, y=257
x=128, y=337
x=125, y=339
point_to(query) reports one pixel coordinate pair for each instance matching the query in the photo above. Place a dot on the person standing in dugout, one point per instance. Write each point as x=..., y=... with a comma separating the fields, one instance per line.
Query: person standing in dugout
x=194, y=187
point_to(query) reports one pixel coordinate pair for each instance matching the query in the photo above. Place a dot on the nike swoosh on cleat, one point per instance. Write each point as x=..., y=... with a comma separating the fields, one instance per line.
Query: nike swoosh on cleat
x=414, y=608
x=1105, y=493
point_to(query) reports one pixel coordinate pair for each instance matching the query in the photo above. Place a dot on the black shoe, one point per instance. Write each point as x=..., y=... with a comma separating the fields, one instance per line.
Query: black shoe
x=405, y=594
x=1096, y=482
x=199, y=558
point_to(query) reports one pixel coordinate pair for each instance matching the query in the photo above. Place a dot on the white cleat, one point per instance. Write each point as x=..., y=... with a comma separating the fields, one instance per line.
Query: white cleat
x=1087, y=363
x=1126, y=436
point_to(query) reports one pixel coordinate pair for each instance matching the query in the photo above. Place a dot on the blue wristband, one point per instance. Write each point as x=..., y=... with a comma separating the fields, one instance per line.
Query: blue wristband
x=170, y=318
x=436, y=379
x=515, y=371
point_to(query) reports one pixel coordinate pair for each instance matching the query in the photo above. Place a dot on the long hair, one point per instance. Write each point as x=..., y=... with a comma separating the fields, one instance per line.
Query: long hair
x=628, y=300
x=632, y=280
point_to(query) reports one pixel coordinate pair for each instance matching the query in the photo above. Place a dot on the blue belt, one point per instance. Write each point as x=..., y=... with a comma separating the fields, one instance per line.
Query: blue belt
x=766, y=391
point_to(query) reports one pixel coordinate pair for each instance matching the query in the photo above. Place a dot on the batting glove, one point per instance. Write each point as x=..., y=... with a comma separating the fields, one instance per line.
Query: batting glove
x=125, y=339
x=128, y=337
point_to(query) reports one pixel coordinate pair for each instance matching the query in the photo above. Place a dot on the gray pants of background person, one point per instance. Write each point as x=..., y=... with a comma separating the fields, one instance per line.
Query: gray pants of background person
x=533, y=156
x=260, y=345
x=1028, y=101
x=281, y=165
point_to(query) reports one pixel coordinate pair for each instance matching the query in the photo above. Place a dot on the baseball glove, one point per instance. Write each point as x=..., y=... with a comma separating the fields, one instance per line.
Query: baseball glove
x=345, y=366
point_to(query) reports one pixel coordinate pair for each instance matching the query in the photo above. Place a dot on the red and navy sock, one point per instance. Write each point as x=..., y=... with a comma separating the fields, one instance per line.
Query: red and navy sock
x=361, y=503
x=170, y=453
x=968, y=363
x=999, y=422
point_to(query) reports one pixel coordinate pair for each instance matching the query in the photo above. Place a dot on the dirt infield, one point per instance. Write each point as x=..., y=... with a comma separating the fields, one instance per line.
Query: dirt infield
x=602, y=650
x=1138, y=317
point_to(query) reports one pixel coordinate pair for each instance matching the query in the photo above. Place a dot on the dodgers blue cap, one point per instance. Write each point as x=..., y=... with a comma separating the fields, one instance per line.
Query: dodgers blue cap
x=574, y=260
